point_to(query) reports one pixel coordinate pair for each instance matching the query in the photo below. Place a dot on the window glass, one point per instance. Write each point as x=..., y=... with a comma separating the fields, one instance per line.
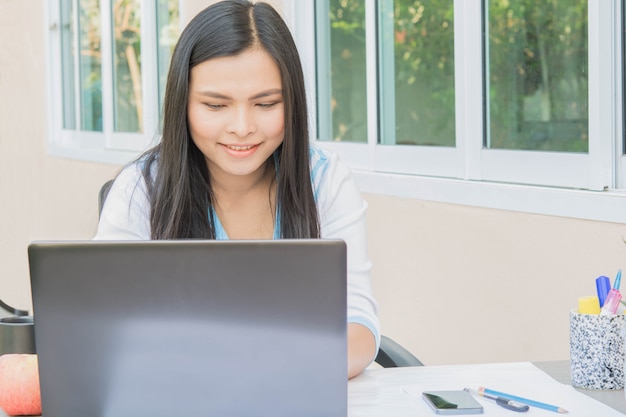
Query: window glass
x=342, y=105
x=168, y=28
x=90, y=65
x=416, y=71
x=81, y=65
x=68, y=51
x=108, y=76
x=537, y=75
x=127, y=84
x=417, y=67
x=622, y=39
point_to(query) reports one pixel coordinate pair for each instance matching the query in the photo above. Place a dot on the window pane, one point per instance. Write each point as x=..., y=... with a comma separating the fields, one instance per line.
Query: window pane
x=623, y=41
x=68, y=54
x=90, y=65
x=342, y=106
x=168, y=32
x=537, y=75
x=127, y=85
x=80, y=59
x=417, y=67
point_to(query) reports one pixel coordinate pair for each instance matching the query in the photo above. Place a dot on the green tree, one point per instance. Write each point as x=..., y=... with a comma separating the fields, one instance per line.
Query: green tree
x=538, y=74
x=347, y=72
x=127, y=77
x=424, y=72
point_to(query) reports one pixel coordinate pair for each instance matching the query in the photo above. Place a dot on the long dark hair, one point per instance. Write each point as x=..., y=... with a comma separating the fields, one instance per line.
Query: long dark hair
x=175, y=171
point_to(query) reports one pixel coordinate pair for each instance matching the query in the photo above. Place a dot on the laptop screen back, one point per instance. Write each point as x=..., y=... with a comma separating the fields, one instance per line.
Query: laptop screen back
x=215, y=328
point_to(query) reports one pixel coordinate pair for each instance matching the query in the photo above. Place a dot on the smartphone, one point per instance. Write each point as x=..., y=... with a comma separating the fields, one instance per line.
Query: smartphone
x=452, y=402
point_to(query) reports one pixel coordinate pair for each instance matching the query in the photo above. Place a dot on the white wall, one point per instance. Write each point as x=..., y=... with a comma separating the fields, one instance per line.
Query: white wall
x=455, y=284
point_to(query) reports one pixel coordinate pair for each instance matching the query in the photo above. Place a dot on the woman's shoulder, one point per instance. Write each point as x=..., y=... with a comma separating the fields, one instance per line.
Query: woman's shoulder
x=328, y=172
x=321, y=161
x=317, y=152
x=134, y=170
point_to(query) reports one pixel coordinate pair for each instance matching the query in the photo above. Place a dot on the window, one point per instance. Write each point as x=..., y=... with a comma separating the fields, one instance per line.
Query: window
x=416, y=50
x=108, y=63
x=509, y=104
x=342, y=105
x=537, y=76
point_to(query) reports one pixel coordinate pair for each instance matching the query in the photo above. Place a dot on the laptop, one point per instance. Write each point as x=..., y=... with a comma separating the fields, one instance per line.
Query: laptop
x=194, y=327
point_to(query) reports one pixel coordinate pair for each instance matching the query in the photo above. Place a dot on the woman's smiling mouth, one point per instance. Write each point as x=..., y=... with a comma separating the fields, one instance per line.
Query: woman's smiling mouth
x=241, y=151
x=240, y=148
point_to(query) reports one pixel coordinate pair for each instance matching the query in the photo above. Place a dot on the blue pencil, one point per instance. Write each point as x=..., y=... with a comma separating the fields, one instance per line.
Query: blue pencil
x=523, y=400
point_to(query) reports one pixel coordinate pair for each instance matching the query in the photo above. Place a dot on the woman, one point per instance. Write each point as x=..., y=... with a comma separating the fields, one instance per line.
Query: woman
x=235, y=162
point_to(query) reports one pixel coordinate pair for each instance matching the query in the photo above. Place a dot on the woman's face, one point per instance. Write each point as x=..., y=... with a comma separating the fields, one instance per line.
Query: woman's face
x=236, y=113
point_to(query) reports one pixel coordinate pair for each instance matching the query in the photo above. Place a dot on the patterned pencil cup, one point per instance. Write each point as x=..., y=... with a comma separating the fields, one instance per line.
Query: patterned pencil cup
x=597, y=351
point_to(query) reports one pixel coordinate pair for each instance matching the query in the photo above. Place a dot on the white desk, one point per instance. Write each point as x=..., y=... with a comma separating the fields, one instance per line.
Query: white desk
x=380, y=392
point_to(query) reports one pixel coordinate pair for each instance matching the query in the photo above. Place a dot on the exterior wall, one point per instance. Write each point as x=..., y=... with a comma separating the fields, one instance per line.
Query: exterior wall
x=455, y=284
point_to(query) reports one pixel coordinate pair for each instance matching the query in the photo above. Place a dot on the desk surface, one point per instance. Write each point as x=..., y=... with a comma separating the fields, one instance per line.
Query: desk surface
x=377, y=393
x=385, y=392
x=560, y=371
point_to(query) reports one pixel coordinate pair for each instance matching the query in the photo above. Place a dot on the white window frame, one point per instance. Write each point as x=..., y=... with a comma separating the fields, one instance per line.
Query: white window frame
x=107, y=146
x=588, y=186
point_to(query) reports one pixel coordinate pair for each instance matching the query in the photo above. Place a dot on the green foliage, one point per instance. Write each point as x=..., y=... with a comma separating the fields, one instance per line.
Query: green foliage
x=127, y=62
x=424, y=72
x=348, y=82
x=537, y=72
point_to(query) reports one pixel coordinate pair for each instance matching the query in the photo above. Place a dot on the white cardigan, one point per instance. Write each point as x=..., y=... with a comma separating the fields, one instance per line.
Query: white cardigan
x=341, y=209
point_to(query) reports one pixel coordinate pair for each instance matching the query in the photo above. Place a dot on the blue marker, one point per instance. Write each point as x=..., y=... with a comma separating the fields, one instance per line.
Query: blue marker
x=603, y=286
x=502, y=401
x=522, y=400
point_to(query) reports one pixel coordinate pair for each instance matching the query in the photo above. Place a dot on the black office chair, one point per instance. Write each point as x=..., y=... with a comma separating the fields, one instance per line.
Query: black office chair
x=102, y=195
x=390, y=355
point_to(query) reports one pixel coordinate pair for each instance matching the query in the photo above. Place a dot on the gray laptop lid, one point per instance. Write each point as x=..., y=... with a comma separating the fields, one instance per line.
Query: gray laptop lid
x=205, y=328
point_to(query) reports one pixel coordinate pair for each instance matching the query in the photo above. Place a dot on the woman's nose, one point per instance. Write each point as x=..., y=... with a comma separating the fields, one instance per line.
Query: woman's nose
x=242, y=123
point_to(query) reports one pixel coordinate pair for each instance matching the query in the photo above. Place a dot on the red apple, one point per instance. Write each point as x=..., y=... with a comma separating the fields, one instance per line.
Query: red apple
x=19, y=384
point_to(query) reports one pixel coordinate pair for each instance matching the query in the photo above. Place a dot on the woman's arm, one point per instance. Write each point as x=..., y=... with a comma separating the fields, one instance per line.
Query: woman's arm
x=342, y=212
x=361, y=348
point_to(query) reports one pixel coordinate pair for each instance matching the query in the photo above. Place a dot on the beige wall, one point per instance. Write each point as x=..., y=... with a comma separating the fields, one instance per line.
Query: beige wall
x=41, y=197
x=462, y=284
x=455, y=284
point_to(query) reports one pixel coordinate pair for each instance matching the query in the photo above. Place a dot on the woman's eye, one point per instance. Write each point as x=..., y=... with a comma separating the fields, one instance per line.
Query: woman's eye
x=267, y=105
x=214, y=106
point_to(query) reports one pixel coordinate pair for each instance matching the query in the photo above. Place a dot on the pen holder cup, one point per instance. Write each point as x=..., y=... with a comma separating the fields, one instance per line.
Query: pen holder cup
x=597, y=350
x=17, y=335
